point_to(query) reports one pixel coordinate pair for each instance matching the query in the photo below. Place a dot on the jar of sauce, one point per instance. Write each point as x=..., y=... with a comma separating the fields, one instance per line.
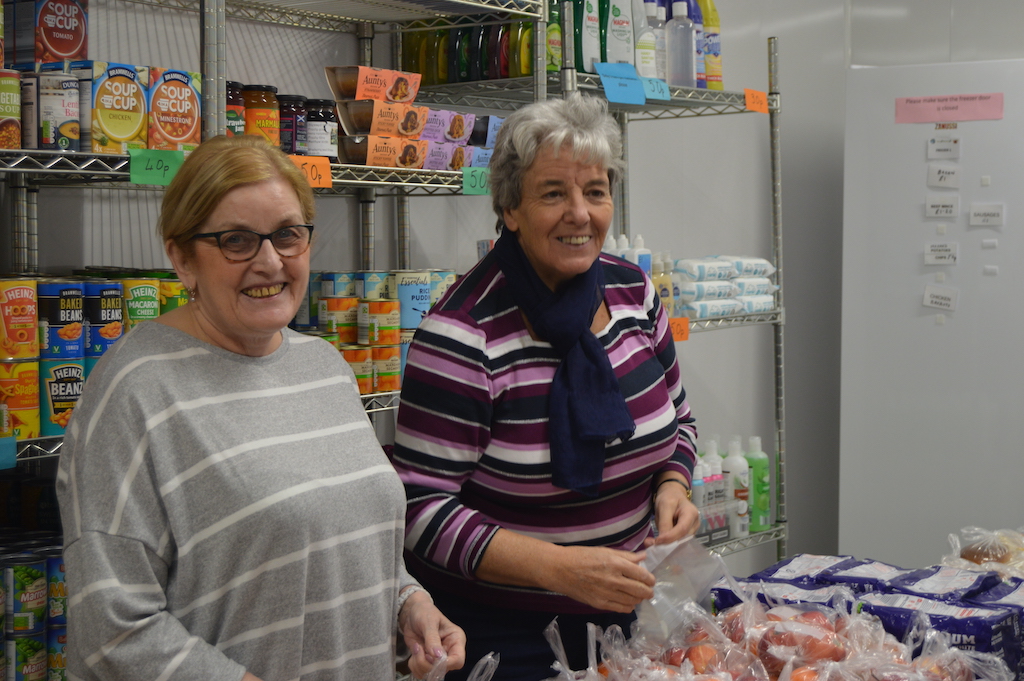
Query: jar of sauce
x=262, y=112
x=293, y=124
x=235, y=109
x=322, y=129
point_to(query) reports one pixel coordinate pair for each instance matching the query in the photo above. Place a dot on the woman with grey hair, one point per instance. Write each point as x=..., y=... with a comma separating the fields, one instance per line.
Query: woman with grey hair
x=543, y=426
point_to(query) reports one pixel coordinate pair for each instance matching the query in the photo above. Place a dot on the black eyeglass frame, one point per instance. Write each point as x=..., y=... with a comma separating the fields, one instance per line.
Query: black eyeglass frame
x=262, y=237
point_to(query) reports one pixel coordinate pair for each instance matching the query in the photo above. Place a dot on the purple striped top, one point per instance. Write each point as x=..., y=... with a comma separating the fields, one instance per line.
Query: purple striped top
x=472, y=438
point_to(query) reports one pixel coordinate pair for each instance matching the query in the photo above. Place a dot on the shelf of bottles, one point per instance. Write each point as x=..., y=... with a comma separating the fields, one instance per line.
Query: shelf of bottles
x=755, y=539
x=730, y=321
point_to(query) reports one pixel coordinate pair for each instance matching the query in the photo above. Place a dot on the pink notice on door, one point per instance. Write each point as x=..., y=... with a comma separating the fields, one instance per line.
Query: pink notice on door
x=944, y=108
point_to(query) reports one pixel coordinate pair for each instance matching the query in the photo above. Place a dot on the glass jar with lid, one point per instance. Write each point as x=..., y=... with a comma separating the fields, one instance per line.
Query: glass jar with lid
x=322, y=129
x=235, y=109
x=262, y=112
x=293, y=124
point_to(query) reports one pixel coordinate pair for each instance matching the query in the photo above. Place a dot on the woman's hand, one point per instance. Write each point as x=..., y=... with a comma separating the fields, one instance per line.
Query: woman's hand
x=603, y=578
x=675, y=516
x=429, y=634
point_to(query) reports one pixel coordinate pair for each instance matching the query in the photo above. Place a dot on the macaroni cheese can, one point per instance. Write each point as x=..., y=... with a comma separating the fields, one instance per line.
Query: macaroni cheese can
x=19, y=400
x=103, y=315
x=60, y=386
x=340, y=314
x=26, y=657
x=378, y=321
x=413, y=295
x=387, y=367
x=56, y=658
x=440, y=281
x=141, y=301
x=61, y=318
x=19, y=313
x=172, y=294
x=25, y=580
x=360, y=358
x=10, y=109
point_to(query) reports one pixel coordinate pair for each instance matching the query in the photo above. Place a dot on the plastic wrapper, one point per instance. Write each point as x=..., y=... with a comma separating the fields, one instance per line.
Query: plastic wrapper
x=485, y=667
x=861, y=576
x=944, y=583
x=1000, y=551
x=804, y=569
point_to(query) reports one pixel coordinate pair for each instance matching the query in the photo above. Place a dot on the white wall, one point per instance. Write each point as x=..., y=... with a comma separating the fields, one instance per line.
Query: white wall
x=696, y=186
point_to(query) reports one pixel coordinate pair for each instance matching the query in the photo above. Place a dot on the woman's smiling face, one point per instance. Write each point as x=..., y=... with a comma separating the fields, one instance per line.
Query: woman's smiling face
x=243, y=306
x=563, y=216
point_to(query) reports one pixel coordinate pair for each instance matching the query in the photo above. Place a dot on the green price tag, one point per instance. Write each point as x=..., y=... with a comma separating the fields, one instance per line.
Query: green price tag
x=475, y=181
x=154, y=166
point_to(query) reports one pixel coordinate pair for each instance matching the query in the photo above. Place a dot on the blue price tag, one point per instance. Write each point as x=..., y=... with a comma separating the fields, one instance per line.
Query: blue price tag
x=8, y=453
x=655, y=88
x=621, y=84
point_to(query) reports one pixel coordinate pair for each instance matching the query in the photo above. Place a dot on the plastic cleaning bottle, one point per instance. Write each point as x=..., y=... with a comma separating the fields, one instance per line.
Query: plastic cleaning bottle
x=621, y=246
x=680, y=48
x=699, y=496
x=717, y=488
x=645, y=55
x=697, y=17
x=458, y=54
x=760, y=487
x=520, y=50
x=663, y=285
x=618, y=31
x=656, y=21
x=737, y=472
x=497, y=52
x=553, y=55
x=712, y=44
x=638, y=255
x=587, y=30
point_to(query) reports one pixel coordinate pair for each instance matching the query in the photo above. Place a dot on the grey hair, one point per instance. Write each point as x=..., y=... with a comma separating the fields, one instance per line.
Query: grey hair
x=580, y=123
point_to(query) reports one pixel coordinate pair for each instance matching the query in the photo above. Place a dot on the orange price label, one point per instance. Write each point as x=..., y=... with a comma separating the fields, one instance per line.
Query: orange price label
x=756, y=100
x=680, y=328
x=317, y=170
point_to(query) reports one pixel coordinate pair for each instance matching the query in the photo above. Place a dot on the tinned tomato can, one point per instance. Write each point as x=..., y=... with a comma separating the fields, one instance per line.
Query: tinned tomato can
x=103, y=315
x=60, y=386
x=61, y=318
x=19, y=313
x=387, y=368
x=19, y=399
x=360, y=358
x=378, y=322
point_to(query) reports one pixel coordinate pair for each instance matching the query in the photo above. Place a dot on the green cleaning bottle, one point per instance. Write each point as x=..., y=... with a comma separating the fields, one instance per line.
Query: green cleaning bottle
x=760, y=487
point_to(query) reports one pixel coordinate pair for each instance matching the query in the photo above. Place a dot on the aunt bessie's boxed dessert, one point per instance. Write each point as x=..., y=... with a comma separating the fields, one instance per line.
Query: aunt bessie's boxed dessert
x=364, y=82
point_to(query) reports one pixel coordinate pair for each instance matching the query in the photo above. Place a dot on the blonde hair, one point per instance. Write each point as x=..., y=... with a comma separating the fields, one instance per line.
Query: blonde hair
x=216, y=167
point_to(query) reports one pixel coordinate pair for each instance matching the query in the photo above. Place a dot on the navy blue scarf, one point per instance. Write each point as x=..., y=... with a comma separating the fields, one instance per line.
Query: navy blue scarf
x=586, y=408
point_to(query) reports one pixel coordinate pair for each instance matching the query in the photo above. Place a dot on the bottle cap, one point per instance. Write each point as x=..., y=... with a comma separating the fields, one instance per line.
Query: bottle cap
x=735, y=448
x=638, y=241
x=712, y=449
x=657, y=267
x=755, y=443
x=680, y=8
x=622, y=241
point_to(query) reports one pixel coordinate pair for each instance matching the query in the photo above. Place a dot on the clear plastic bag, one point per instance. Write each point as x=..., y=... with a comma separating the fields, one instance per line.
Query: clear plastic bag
x=485, y=667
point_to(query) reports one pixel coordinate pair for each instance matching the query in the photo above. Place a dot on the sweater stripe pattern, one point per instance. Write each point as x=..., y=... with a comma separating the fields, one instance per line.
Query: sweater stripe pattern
x=471, y=442
x=226, y=513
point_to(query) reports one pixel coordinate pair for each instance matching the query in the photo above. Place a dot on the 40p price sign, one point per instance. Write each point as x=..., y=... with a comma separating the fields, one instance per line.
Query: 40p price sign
x=153, y=166
x=476, y=181
x=317, y=170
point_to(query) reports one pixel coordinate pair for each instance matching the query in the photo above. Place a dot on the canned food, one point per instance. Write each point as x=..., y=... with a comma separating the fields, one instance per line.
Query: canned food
x=440, y=282
x=56, y=587
x=20, y=315
x=378, y=322
x=413, y=295
x=10, y=109
x=141, y=301
x=387, y=367
x=405, y=337
x=60, y=386
x=25, y=578
x=103, y=315
x=50, y=111
x=56, y=658
x=19, y=399
x=338, y=284
x=372, y=284
x=340, y=314
x=26, y=657
x=3, y=604
x=61, y=316
x=360, y=358
x=172, y=295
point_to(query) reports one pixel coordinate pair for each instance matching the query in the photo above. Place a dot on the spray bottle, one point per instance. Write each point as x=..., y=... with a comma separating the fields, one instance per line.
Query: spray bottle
x=717, y=510
x=737, y=471
x=760, y=487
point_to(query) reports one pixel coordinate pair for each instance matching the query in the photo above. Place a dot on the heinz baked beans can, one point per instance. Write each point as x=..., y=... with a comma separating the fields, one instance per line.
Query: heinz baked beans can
x=19, y=313
x=141, y=301
x=387, y=368
x=103, y=315
x=60, y=386
x=360, y=358
x=19, y=399
x=378, y=322
x=413, y=295
x=61, y=318
x=10, y=109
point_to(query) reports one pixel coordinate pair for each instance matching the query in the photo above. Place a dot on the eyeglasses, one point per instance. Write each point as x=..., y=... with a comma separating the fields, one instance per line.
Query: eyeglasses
x=239, y=245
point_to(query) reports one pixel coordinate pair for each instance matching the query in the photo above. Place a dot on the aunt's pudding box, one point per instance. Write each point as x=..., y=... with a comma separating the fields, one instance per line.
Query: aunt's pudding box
x=174, y=102
x=46, y=31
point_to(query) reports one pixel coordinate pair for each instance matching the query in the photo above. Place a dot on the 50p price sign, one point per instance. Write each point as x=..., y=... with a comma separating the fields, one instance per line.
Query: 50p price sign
x=476, y=181
x=317, y=170
x=153, y=166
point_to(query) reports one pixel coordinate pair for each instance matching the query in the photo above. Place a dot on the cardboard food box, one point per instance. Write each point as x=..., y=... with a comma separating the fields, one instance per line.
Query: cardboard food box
x=119, y=111
x=376, y=117
x=364, y=82
x=448, y=126
x=174, y=102
x=447, y=156
x=45, y=31
x=385, y=152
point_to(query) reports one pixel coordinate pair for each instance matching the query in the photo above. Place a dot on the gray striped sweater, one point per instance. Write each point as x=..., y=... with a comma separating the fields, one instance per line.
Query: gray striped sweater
x=225, y=513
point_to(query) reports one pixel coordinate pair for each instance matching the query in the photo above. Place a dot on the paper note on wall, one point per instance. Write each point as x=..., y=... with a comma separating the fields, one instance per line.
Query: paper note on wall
x=944, y=148
x=937, y=109
x=987, y=214
x=943, y=176
x=942, y=297
x=942, y=206
x=942, y=253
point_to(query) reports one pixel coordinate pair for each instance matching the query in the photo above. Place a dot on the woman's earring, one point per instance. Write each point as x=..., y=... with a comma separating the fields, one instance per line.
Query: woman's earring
x=192, y=292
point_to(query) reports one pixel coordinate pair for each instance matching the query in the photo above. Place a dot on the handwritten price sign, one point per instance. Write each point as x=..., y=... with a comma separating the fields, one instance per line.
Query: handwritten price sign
x=317, y=170
x=756, y=100
x=476, y=181
x=153, y=166
x=680, y=327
